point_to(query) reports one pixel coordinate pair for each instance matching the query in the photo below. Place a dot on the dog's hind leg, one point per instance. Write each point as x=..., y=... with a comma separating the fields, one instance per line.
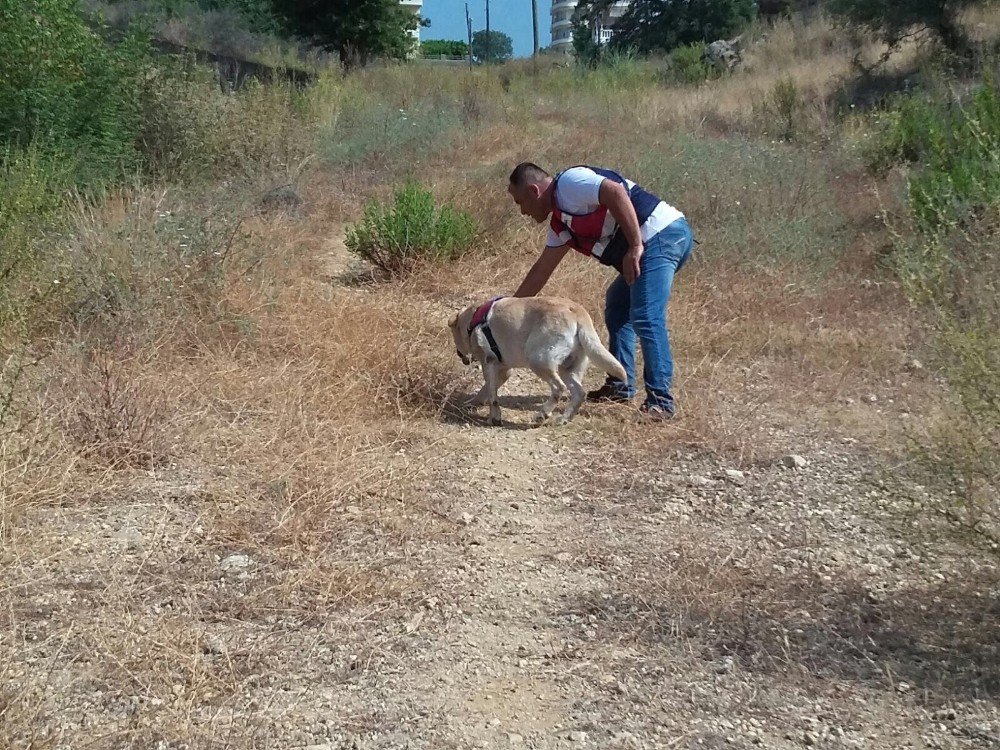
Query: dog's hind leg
x=572, y=373
x=557, y=386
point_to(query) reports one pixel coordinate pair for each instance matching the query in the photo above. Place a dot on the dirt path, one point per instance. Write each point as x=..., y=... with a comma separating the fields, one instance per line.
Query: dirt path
x=684, y=607
x=512, y=587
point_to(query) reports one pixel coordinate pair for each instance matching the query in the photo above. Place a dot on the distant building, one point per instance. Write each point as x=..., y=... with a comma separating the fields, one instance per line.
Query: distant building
x=562, y=23
x=415, y=6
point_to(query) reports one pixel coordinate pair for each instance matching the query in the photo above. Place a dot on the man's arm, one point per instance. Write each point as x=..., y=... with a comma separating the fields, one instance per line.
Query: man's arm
x=615, y=196
x=541, y=271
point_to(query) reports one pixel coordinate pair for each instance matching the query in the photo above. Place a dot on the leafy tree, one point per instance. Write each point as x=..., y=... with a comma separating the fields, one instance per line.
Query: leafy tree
x=358, y=30
x=491, y=47
x=259, y=14
x=586, y=50
x=894, y=20
x=661, y=25
x=448, y=47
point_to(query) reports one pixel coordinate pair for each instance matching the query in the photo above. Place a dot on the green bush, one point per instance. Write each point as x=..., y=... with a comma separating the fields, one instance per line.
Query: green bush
x=950, y=266
x=65, y=90
x=33, y=187
x=787, y=106
x=688, y=64
x=955, y=145
x=395, y=238
x=961, y=178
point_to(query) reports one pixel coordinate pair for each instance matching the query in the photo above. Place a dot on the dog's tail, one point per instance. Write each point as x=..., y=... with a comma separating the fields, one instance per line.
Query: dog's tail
x=591, y=344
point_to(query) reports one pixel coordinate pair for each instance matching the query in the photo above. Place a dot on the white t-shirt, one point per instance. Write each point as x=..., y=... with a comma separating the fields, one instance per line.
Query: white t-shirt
x=577, y=193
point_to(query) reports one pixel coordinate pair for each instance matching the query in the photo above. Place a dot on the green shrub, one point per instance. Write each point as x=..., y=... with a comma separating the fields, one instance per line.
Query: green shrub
x=33, y=188
x=787, y=106
x=688, y=64
x=411, y=230
x=898, y=134
x=950, y=266
x=955, y=145
x=962, y=174
x=63, y=89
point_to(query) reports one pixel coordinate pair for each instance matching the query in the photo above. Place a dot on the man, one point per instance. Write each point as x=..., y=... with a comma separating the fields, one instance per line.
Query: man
x=602, y=215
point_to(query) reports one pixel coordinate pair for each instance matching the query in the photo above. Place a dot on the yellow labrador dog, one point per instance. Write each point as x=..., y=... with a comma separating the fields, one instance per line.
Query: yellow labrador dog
x=553, y=337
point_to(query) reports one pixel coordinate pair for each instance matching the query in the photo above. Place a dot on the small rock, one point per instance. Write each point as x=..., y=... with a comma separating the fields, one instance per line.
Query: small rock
x=725, y=666
x=915, y=365
x=515, y=739
x=903, y=687
x=130, y=535
x=236, y=562
x=792, y=461
x=283, y=197
x=578, y=736
x=213, y=644
x=809, y=739
x=466, y=519
x=871, y=398
x=696, y=480
x=735, y=476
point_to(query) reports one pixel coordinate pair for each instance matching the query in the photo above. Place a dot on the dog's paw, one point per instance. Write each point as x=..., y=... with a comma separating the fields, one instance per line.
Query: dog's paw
x=539, y=417
x=494, y=422
x=562, y=420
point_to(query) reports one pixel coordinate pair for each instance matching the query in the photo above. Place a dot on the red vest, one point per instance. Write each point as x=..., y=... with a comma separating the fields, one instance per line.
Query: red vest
x=597, y=234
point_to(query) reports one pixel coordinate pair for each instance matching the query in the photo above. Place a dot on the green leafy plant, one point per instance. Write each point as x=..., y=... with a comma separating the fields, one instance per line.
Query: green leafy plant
x=66, y=90
x=949, y=266
x=688, y=64
x=411, y=230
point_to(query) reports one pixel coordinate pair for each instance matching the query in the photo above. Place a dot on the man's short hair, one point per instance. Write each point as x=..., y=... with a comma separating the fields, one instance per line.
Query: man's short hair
x=527, y=173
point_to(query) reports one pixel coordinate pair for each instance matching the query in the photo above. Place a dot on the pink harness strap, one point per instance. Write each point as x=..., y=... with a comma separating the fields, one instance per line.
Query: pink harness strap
x=479, y=320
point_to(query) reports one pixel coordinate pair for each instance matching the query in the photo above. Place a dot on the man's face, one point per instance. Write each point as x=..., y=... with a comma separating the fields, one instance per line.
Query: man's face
x=530, y=199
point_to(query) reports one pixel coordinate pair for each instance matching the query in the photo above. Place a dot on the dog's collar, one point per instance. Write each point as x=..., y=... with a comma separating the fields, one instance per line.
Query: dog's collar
x=479, y=320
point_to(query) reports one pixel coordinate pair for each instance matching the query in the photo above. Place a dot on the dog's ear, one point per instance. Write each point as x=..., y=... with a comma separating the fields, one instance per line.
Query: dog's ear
x=453, y=322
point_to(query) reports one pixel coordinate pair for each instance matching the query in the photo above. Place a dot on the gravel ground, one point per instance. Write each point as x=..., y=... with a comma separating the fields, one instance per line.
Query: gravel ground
x=525, y=592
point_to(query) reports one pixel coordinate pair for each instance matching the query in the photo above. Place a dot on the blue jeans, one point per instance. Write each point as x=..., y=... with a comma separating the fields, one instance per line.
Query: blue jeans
x=641, y=310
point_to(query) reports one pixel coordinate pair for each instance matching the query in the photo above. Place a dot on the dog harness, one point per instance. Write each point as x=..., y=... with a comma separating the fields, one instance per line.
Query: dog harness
x=480, y=320
x=597, y=234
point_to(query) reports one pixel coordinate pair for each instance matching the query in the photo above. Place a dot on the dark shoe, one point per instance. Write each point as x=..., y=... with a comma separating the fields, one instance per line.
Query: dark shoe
x=655, y=413
x=609, y=393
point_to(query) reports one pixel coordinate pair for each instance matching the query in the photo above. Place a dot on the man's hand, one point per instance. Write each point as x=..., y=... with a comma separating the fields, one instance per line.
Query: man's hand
x=630, y=265
x=541, y=270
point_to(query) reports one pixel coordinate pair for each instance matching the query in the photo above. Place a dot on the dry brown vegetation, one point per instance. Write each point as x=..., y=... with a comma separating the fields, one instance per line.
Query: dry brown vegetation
x=234, y=468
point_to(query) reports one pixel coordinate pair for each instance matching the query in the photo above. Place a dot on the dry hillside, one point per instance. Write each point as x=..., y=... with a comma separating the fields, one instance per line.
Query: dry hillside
x=242, y=504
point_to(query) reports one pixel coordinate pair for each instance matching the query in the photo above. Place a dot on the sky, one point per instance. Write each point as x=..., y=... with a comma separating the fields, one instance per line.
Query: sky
x=512, y=17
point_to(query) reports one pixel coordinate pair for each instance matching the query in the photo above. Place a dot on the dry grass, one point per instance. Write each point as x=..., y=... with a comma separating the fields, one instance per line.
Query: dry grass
x=213, y=389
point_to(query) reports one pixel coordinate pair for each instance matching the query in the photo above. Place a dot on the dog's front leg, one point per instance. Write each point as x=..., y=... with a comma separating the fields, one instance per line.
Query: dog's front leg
x=483, y=396
x=491, y=371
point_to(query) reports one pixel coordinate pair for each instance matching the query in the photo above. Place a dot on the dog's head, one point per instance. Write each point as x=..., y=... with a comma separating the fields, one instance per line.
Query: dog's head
x=459, y=326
